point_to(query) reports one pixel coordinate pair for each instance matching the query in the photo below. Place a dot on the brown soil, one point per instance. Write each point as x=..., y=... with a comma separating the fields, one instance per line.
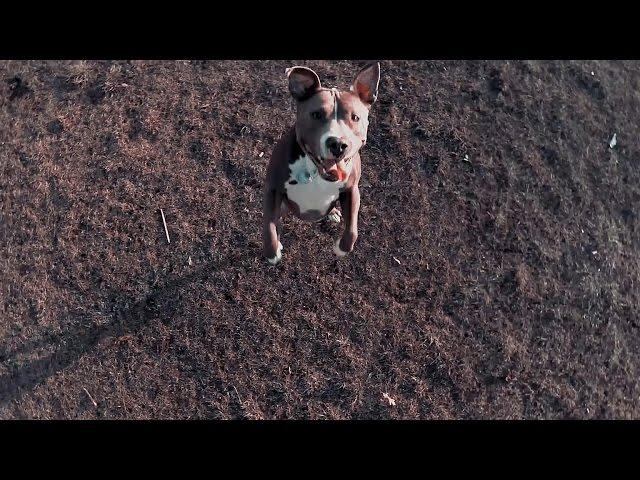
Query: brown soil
x=500, y=286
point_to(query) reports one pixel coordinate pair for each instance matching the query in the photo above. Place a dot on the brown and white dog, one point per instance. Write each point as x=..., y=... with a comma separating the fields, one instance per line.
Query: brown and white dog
x=316, y=164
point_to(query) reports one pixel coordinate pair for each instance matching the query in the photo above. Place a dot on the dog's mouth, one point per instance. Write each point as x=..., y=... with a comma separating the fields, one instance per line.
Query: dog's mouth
x=331, y=174
x=335, y=174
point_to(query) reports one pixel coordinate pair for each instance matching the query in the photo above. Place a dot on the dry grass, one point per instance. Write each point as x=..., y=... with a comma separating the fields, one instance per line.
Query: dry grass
x=495, y=308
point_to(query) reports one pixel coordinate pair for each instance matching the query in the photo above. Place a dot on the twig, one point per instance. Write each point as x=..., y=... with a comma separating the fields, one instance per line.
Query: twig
x=90, y=397
x=166, y=231
x=240, y=399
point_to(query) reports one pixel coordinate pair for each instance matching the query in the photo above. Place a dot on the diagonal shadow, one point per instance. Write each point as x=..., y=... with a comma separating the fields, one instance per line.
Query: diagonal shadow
x=79, y=340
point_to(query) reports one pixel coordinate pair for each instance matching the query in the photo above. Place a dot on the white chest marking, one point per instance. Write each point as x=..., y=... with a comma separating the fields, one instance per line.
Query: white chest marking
x=312, y=192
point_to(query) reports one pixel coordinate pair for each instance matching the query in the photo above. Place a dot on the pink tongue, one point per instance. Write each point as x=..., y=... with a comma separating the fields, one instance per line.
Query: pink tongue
x=337, y=172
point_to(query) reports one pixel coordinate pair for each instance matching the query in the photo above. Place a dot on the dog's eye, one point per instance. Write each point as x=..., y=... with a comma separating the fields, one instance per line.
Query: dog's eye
x=316, y=115
x=355, y=117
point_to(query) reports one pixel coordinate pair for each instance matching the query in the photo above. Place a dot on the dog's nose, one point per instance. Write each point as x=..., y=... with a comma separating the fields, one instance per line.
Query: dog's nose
x=336, y=146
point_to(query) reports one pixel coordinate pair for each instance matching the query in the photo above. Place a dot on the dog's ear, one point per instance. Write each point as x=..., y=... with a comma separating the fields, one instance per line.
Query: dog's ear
x=366, y=83
x=303, y=82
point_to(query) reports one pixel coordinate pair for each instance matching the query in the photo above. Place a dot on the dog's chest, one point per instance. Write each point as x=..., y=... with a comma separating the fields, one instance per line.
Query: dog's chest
x=308, y=189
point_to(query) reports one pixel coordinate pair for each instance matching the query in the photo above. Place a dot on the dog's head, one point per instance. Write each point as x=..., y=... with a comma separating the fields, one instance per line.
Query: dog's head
x=332, y=124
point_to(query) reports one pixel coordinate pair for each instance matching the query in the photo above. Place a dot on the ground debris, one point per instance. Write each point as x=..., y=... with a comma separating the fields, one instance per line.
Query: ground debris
x=95, y=404
x=392, y=402
x=497, y=266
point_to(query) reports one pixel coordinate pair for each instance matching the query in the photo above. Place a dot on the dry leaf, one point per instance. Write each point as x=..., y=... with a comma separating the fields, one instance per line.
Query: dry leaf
x=391, y=401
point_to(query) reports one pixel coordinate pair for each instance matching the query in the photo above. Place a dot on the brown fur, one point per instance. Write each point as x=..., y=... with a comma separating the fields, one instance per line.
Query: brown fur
x=316, y=110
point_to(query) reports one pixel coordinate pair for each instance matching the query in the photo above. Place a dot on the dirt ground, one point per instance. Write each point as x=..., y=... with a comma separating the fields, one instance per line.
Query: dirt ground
x=495, y=276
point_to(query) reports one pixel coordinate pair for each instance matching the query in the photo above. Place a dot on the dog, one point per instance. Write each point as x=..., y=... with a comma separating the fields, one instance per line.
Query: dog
x=316, y=163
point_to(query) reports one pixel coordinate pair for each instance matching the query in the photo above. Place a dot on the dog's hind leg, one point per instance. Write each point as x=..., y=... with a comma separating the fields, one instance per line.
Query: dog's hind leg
x=334, y=215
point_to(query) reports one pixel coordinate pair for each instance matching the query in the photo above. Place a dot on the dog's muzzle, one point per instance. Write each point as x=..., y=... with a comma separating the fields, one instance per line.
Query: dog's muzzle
x=333, y=173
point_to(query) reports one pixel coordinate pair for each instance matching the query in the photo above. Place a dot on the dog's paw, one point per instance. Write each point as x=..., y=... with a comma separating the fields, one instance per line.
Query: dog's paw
x=337, y=250
x=277, y=257
x=334, y=216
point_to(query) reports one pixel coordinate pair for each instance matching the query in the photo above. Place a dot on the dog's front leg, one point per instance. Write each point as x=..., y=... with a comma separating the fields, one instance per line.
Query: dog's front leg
x=272, y=248
x=350, y=204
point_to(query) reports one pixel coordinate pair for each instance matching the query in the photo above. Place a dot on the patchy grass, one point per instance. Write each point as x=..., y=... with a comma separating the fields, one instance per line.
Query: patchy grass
x=495, y=305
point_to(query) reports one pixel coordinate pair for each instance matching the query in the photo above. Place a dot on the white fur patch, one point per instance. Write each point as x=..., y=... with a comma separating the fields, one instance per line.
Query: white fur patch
x=278, y=256
x=334, y=130
x=337, y=250
x=317, y=194
x=340, y=129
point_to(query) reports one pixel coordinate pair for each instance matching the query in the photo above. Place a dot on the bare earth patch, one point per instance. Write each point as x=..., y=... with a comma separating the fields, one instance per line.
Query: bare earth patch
x=496, y=273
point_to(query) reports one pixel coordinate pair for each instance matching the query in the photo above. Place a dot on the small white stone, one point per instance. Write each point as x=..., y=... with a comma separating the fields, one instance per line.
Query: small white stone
x=335, y=216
